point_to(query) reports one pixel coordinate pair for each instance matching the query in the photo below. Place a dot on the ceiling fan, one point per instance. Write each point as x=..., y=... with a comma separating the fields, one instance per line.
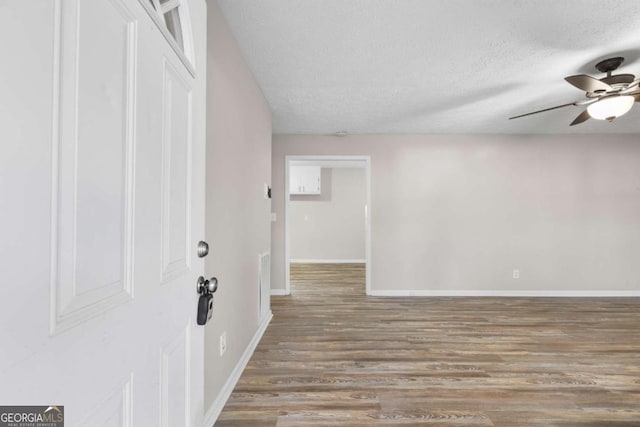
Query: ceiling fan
x=607, y=98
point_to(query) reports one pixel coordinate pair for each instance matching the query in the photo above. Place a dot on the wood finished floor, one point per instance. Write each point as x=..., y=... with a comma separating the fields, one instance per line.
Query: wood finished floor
x=335, y=357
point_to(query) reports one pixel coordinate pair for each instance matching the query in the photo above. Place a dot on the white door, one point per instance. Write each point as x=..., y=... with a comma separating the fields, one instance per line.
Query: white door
x=102, y=193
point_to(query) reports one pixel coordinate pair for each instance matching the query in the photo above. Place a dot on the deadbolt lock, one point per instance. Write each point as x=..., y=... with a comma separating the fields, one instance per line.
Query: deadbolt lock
x=203, y=249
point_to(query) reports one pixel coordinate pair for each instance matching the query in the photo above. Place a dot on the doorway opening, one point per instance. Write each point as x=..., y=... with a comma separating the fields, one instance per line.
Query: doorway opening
x=327, y=213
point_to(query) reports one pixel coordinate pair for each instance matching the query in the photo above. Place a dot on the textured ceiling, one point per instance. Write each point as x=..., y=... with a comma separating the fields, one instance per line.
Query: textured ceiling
x=432, y=66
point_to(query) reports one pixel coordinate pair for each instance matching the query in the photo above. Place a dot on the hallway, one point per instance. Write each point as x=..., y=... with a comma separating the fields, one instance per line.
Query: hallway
x=333, y=356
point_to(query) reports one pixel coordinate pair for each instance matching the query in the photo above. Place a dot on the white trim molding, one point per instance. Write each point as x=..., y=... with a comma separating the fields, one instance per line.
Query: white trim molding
x=279, y=292
x=216, y=407
x=503, y=293
x=327, y=261
x=363, y=162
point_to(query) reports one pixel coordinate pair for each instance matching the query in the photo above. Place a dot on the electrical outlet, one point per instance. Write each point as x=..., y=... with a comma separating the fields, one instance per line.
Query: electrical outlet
x=516, y=274
x=223, y=343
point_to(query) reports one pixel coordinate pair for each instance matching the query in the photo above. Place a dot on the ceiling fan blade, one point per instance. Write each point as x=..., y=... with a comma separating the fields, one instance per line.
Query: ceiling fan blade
x=582, y=117
x=542, y=111
x=586, y=101
x=635, y=94
x=587, y=83
x=632, y=87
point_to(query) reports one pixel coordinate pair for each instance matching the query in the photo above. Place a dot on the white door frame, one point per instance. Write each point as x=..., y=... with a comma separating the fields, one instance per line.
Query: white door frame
x=287, y=241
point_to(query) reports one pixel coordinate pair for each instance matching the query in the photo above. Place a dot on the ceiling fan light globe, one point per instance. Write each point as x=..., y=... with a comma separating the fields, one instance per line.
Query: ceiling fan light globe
x=611, y=107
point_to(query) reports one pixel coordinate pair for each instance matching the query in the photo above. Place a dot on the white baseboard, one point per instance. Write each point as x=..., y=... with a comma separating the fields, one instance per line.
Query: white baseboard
x=327, y=261
x=214, y=410
x=278, y=292
x=505, y=293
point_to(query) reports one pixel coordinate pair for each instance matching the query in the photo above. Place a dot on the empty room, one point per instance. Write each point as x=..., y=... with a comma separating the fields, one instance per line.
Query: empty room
x=286, y=213
x=503, y=281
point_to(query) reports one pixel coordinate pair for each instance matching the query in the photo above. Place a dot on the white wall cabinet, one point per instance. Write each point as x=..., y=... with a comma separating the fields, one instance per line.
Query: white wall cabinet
x=304, y=180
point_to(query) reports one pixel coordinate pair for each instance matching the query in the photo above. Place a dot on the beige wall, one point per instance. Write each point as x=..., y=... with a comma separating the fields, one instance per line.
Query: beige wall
x=330, y=226
x=457, y=214
x=237, y=225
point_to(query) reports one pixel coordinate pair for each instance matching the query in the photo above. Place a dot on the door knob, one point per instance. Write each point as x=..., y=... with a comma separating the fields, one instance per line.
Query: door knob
x=212, y=286
x=207, y=286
